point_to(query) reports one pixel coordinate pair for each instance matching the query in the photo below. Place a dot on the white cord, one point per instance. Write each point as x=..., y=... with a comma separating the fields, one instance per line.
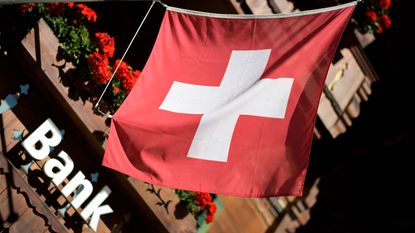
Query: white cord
x=263, y=16
x=122, y=58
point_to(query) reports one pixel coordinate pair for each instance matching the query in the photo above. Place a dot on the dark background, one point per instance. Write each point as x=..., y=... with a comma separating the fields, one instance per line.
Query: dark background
x=367, y=174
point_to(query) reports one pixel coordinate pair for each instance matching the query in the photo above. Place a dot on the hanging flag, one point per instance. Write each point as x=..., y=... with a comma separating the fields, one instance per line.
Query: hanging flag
x=227, y=104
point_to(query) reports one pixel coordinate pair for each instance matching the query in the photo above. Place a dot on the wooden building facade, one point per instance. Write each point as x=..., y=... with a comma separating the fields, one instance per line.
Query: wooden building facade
x=29, y=202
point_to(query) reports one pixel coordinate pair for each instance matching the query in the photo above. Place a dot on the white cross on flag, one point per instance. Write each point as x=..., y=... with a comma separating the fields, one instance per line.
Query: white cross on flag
x=227, y=104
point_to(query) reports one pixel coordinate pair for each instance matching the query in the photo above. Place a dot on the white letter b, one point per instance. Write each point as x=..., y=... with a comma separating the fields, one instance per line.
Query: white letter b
x=39, y=136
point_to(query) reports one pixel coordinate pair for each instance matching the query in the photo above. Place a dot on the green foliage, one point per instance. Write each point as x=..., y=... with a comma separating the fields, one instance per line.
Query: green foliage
x=187, y=197
x=75, y=40
x=112, y=98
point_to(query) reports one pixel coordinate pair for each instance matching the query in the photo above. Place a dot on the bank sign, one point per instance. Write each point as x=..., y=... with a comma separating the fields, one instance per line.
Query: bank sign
x=38, y=145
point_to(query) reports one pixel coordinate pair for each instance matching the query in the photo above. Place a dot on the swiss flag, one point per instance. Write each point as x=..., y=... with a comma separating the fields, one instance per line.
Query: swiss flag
x=227, y=104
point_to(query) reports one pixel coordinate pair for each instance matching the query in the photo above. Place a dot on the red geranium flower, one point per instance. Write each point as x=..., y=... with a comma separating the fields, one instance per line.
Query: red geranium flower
x=127, y=76
x=70, y=4
x=209, y=218
x=115, y=90
x=212, y=207
x=55, y=8
x=210, y=215
x=123, y=70
x=379, y=29
x=385, y=21
x=24, y=8
x=371, y=15
x=385, y=4
x=106, y=43
x=89, y=14
x=129, y=81
x=203, y=199
x=99, y=66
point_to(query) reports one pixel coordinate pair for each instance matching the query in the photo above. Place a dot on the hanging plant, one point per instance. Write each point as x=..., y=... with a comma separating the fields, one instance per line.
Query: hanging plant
x=372, y=16
x=199, y=204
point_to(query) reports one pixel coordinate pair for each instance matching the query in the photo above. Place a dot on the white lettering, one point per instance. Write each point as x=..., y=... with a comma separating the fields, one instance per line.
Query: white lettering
x=64, y=170
x=76, y=181
x=39, y=136
x=38, y=146
x=94, y=208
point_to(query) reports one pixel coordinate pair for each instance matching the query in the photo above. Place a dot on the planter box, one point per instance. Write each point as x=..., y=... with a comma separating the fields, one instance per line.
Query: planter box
x=365, y=39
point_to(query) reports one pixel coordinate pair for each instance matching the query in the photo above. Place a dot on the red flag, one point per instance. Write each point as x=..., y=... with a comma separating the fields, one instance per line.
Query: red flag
x=227, y=104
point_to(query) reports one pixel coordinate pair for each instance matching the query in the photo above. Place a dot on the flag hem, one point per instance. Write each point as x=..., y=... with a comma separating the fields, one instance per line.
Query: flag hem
x=172, y=185
x=264, y=16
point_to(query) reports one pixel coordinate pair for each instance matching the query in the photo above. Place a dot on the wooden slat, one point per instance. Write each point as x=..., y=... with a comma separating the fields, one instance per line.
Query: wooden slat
x=28, y=222
x=35, y=201
x=3, y=183
x=19, y=205
x=11, y=122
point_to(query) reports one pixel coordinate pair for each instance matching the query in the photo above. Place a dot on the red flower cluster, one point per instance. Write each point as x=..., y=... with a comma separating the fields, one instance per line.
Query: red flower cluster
x=376, y=16
x=385, y=21
x=58, y=8
x=98, y=61
x=55, y=8
x=385, y=4
x=211, y=210
x=87, y=12
x=129, y=82
x=24, y=8
x=371, y=15
x=115, y=90
x=127, y=75
x=123, y=70
x=70, y=4
x=106, y=43
x=204, y=201
x=99, y=66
